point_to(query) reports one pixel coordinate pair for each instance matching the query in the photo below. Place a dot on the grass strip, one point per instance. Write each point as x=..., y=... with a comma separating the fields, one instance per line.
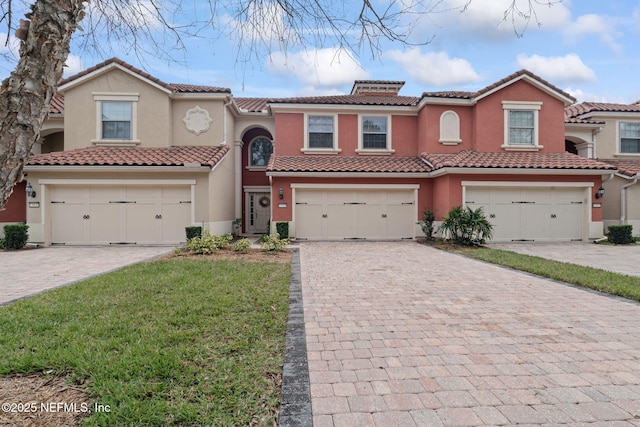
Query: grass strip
x=593, y=278
x=170, y=342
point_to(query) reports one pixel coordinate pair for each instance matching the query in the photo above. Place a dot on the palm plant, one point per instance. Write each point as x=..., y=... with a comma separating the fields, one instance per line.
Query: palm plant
x=466, y=226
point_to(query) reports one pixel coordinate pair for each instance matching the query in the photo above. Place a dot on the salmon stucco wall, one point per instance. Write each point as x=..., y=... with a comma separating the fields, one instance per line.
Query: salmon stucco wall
x=15, y=209
x=289, y=136
x=490, y=124
x=429, y=129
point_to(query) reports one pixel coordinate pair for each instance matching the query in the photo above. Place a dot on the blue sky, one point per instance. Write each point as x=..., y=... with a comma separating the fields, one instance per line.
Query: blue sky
x=589, y=48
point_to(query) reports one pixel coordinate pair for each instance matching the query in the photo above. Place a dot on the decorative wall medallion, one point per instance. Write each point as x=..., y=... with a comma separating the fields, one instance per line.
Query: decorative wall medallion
x=197, y=120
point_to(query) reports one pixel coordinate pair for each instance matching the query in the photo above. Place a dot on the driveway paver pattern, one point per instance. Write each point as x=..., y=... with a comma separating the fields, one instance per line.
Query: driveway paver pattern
x=400, y=334
x=619, y=259
x=28, y=272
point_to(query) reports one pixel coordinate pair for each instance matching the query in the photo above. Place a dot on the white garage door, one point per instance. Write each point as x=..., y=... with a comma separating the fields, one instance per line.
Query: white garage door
x=130, y=214
x=535, y=214
x=355, y=214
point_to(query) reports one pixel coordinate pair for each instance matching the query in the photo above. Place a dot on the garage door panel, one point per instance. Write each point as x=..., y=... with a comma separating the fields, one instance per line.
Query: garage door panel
x=354, y=213
x=174, y=216
x=309, y=220
x=531, y=213
x=104, y=223
x=371, y=221
x=339, y=222
x=140, y=223
x=120, y=214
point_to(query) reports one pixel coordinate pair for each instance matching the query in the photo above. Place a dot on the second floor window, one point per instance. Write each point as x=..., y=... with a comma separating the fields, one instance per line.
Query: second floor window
x=374, y=133
x=521, y=128
x=260, y=151
x=116, y=120
x=630, y=138
x=320, y=130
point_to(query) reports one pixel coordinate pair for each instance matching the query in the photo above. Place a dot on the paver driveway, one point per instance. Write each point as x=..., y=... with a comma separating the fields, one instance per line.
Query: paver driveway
x=400, y=334
x=28, y=272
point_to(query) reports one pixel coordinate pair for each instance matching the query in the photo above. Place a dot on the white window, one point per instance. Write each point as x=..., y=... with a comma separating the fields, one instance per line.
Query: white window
x=321, y=134
x=629, y=138
x=450, y=128
x=260, y=150
x=375, y=135
x=521, y=125
x=116, y=119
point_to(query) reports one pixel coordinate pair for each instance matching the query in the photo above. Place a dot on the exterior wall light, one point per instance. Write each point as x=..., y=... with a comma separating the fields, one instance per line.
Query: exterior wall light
x=600, y=192
x=281, y=193
x=30, y=191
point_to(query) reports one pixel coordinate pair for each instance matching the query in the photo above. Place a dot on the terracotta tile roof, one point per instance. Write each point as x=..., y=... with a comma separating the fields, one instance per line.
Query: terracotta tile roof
x=371, y=164
x=132, y=156
x=382, y=100
x=252, y=105
x=179, y=88
x=626, y=167
x=471, y=95
x=577, y=110
x=449, y=94
x=57, y=104
x=515, y=160
x=185, y=88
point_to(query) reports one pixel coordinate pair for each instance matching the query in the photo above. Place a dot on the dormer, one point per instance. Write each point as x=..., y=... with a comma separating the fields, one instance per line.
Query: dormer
x=376, y=87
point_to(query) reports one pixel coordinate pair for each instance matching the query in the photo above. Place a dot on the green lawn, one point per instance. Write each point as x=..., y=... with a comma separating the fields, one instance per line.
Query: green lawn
x=588, y=277
x=171, y=342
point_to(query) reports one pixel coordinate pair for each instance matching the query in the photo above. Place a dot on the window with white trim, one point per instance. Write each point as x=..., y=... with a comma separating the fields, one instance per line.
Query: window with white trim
x=116, y=118
x=450, y=128
x=629, y=138
x=374, y=133
x=260, y=150
x=320, y=132
x=521, y=125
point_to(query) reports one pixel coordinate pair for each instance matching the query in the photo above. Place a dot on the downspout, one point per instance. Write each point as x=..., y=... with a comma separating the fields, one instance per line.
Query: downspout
x=623, y=197
x=224, y=120
x=609, y=178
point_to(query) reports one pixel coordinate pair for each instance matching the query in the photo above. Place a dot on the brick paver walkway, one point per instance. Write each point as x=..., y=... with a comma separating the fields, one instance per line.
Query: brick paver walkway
x=400, y=334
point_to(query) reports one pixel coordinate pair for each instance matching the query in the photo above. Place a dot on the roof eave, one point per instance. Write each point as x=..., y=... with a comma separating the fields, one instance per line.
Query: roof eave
x=115, y=168
x=524, y=171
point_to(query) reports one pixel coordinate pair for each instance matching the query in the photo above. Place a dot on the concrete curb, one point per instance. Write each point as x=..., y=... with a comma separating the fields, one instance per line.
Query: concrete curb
x=295, y=401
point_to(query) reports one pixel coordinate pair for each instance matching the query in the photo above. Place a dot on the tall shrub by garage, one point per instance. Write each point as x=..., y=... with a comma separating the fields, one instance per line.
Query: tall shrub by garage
x=194, y=231
x=282, y=228
x=15, y=236
x=620, y=234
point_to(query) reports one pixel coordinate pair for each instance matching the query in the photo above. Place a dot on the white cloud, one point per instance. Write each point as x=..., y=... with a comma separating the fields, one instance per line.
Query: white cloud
x=558, y=69
x=73, y=65
x=591, y=24
x=583, y=96
x=488, y=19
x=329, y=67
x=261, y=23
x=434, y=68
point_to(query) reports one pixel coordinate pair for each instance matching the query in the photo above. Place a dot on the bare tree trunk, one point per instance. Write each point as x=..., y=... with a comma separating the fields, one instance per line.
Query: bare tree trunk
x=26, y=94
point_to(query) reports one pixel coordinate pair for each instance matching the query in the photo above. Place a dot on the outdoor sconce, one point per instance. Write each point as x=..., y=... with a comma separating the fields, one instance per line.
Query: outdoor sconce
x=280, y=193
x=30, y=191
x=600, y=192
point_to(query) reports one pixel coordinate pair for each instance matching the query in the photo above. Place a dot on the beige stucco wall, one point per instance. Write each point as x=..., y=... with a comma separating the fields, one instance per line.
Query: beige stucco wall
x=608, y=138
x=81, y=116
x=213, y=105
x=611, y=204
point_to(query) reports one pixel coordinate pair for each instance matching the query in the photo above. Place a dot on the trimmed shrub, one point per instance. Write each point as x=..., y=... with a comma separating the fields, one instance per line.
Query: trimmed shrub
x=15, y=236
x=242, y=245
x=274, y=243
x=208, y=243
x=193, y=231
x=427, y=223
x=2, y=244
x=282, y=228
x=465, y=226
x=620, y=234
